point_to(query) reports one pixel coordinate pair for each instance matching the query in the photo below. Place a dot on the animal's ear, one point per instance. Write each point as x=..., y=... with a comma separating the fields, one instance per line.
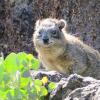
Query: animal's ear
x=37, y=24
x=61, y=23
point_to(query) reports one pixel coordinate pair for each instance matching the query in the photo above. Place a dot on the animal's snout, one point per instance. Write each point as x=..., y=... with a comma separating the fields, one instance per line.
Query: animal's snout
x=45, y=39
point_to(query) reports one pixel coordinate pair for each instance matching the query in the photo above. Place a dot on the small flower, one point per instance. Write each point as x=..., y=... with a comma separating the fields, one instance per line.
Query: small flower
x=44, y=80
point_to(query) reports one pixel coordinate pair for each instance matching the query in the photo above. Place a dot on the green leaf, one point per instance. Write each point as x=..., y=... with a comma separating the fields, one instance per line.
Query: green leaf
x=33, y=94
x=44, y=91
x=10, y=94
x=17, y=86
x=52, y=86
x=30, y=57
x=25, y=63
x=6, y=78
x=22, y=56
x=38, y=82
x=37, y=88
x=18, y=95
x=25, y=73
x=23, y=91
x=22, y=60
x=11, y=63
x=24, y=82
x=35, y=64
x=2, y=95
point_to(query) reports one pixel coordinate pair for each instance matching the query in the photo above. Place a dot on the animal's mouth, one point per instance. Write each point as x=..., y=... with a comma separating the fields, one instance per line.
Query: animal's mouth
x=40, y=44
x=47, y=45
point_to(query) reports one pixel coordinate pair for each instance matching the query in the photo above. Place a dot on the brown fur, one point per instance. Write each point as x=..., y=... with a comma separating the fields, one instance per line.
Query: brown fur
x=65, y=54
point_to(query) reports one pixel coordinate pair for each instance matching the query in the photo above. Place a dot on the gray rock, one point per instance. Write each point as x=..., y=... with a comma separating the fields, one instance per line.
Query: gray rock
x=73, y=87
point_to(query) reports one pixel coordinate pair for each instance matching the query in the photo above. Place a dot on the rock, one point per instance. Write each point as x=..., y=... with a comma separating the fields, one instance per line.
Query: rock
x=17, y=18
x=52, y=75
x=73, y=87
x=90, y=92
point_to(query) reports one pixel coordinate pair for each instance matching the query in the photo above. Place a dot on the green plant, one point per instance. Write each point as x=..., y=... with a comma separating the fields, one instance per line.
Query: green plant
x=16, y=82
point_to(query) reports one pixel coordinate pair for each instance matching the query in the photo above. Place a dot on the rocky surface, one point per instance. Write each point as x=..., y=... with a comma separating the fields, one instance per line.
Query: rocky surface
x=17, y=18
x=73, y=87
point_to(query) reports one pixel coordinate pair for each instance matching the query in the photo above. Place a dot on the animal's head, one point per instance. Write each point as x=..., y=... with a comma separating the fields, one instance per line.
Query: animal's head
x=48, y=33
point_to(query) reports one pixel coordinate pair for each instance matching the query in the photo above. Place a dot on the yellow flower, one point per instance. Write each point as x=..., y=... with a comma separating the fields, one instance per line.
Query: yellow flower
x=44, y=80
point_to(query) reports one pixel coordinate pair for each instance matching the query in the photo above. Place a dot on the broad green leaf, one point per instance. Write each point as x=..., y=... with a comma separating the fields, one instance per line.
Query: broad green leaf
x=30, y=57
x=44, y=91
x=2, y=95
x=22, y=60
x=24, y=82
x=10, y=94
x=52, y=86
x=25, y=73
x=18, y=86
x=11, y=63
x=23, y=91
x=18, y=95
x=34, y=91
x=35, y=64
x=6, y=78
x=22, y=56
x=32, y=95
x=38, y=82
x=25, y=63
x=38, y=88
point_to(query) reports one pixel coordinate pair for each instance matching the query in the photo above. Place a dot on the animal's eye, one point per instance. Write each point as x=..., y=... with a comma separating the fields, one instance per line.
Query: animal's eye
x=54, y=32
x=40, y=32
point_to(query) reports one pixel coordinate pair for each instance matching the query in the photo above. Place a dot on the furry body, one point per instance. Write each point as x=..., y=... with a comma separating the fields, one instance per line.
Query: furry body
x=64, y=52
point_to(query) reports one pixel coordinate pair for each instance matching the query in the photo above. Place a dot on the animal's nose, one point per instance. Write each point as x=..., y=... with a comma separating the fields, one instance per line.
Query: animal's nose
x=45, y=40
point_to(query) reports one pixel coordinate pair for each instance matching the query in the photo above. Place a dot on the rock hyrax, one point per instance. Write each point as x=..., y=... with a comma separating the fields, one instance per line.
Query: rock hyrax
x=63, y=52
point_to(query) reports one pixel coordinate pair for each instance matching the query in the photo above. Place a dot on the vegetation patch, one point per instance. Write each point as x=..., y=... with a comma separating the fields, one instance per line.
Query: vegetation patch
x=16, y=82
